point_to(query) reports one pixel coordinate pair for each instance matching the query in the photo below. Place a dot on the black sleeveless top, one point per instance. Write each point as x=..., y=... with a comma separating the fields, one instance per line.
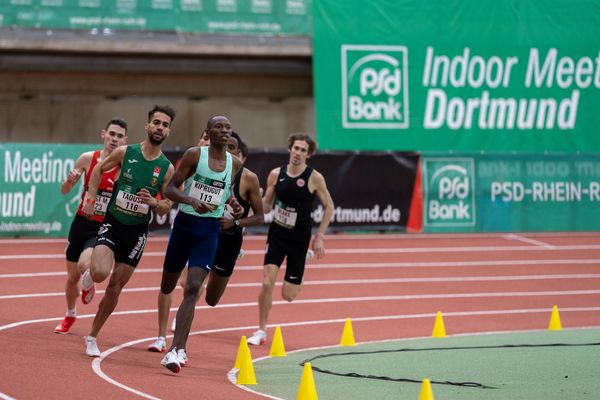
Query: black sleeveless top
x=244, y=203
x=292, y=206
x=236, y=192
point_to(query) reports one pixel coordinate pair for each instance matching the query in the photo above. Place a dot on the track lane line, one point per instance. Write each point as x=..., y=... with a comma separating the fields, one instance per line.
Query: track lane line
x=332, y=300
x=408, y=264
x=161, y=238
x=232, y=374
x=463, y=237
x=499, y=278
x=371, y=250
x=97, y=362
x=521, y=238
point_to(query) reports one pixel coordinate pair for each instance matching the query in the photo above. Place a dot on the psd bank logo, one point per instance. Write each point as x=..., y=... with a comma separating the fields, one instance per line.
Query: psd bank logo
x=449, y=192
x=374, y=87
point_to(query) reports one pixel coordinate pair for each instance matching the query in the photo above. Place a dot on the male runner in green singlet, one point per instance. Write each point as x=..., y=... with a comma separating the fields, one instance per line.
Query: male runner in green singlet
x=145, y=172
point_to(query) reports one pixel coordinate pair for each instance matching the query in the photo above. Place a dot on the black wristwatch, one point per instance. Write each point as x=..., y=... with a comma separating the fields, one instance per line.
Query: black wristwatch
x=237, y=223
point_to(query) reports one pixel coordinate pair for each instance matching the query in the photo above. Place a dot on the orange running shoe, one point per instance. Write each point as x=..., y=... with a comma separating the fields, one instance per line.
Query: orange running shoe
x=65, y=325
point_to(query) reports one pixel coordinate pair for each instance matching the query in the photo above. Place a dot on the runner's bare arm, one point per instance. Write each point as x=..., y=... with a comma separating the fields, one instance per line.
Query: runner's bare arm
x=269, y=195
x=238, y=210
x=184, y=170
x=113, y=160
x=317, y=181
x=253, y=197
x=81, y=165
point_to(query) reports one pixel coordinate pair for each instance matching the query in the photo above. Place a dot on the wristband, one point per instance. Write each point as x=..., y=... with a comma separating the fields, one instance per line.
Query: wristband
x=268, y=217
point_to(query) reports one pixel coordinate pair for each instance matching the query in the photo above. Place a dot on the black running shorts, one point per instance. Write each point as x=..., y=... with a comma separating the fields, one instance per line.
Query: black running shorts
x=228, y=249
x=126, y=241
x=278, y=249
x=82, y=235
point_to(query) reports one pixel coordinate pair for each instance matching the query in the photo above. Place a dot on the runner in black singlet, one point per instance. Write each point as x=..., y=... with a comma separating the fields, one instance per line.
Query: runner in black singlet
x=291, y=190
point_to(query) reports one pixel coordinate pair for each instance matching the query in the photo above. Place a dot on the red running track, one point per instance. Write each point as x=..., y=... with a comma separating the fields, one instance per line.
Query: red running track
x=391, y=286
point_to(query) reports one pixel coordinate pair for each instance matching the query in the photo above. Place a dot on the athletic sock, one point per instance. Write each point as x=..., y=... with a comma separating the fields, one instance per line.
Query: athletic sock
x=72, y=312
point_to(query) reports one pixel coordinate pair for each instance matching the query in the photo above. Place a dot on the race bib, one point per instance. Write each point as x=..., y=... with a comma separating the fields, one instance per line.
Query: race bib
x=283, y=217
x=101, y=204
x=131, y=203
x=207, y=190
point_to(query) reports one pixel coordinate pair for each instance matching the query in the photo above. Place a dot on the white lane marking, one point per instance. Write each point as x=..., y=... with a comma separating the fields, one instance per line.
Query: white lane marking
x=441, y=264
x=521, y=238
x=337, y=300
x=31, y=256
x=350, y=282
x=96, y=363
x=97, y=367
x=341, y=236
x=98, y=371
x=232, y=374
x=382, y=250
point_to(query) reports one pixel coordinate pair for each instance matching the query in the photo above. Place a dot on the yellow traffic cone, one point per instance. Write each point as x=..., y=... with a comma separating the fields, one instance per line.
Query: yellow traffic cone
x=246, y=374
x=555, y=324
x=240, y=354
x=307, y=389
x=347, y=335
x=426, y=392
x=277, y=347
x=439, y=330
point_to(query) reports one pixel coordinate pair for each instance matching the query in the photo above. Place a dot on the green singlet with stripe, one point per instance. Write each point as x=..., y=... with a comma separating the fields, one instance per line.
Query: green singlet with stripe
x=208, y=186
x=136, y=173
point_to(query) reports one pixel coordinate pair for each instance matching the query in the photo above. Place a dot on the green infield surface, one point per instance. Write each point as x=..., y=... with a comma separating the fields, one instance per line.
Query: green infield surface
x=526, y=365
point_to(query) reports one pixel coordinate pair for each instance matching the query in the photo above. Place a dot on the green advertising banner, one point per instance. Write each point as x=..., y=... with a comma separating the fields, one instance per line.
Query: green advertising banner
x=511, y=192
x=463, y=75
x=287, y=17
x=30, y=200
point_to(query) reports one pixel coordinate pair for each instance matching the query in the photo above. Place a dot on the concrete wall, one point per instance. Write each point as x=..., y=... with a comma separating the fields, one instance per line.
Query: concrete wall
x=262, y=122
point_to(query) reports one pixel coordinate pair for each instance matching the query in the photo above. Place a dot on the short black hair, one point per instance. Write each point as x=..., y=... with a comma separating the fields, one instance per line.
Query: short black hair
x=242, y=146
x=163, y=109
x=117, y=121
x=211, y=120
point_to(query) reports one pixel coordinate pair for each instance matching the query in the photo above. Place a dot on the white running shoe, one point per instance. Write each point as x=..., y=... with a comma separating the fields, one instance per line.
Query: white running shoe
x=183, y=359
x=241, y=254
x=91, y=347
x=259, y=337
x=159, y=345
x=173, y=324
x=310, y=254
x=171, y=361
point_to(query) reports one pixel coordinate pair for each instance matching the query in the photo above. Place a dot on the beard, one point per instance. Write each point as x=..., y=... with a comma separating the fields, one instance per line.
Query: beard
x=154, y=141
